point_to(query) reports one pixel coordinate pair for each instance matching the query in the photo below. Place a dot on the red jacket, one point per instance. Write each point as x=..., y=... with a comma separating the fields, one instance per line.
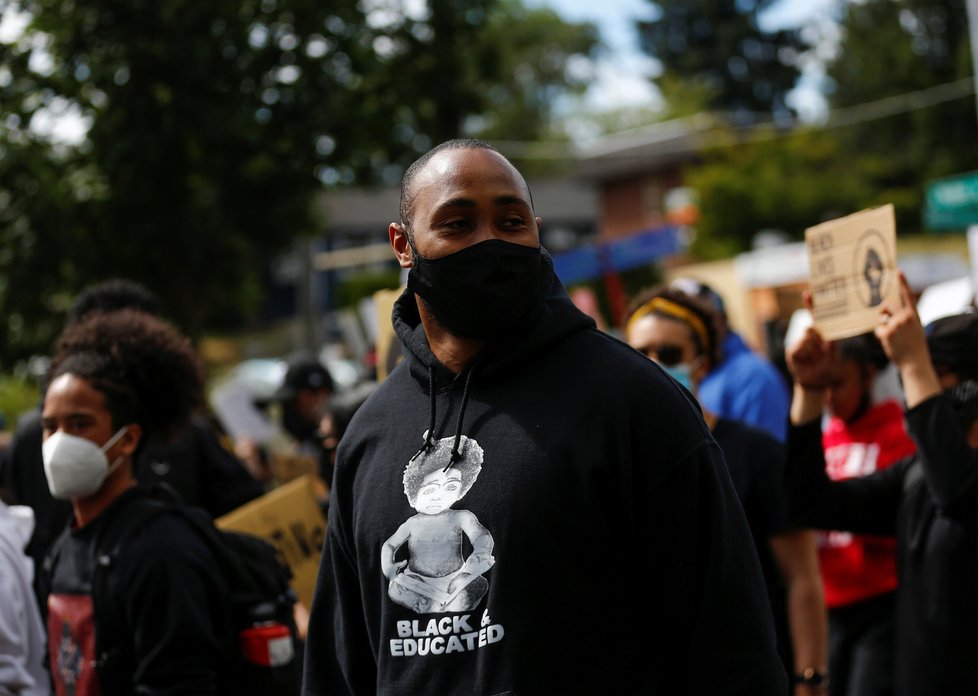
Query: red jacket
x=856, y=567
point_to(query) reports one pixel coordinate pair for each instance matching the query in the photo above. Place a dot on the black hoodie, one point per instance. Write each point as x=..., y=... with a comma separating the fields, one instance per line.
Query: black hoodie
x=585, y=538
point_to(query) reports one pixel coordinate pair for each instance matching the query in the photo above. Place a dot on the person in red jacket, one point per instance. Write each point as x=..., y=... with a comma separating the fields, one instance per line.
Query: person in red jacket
x=860, y=436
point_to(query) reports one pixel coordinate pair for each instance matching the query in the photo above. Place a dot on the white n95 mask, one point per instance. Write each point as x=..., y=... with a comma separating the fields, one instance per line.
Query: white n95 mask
x=76, y=467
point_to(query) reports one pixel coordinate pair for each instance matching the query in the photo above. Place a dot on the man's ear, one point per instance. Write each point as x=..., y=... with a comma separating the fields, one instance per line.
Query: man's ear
x=130, y=439
x=399, y=243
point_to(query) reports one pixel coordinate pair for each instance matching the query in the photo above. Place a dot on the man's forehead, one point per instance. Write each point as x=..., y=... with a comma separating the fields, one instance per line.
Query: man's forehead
x=441, y=475
x=467, y=167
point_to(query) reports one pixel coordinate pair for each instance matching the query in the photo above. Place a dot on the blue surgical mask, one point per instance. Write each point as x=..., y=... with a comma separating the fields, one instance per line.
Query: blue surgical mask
x=682, y=373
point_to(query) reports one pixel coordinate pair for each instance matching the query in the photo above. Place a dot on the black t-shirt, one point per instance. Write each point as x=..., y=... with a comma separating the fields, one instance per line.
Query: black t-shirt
x=755, y=461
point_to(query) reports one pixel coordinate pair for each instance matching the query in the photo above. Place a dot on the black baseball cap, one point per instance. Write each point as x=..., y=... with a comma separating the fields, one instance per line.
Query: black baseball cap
x=303, y=372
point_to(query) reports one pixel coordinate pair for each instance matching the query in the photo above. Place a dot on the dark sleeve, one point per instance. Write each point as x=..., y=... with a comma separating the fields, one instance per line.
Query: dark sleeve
x=176, y=606
x=713, y=626
x=225, y=482
x=865, y=505
x=767, y=489
x=339, y=659
x=950, y=464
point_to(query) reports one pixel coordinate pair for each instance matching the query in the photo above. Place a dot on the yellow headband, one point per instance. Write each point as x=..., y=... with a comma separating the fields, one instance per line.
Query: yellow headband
x=674, y=311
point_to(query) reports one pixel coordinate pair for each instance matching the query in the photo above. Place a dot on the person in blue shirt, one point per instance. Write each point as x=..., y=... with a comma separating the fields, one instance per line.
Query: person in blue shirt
x=743, y=386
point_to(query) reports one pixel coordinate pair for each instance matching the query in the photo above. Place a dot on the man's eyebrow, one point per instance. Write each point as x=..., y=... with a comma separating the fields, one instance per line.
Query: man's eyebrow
x=511, y=200
x=457, y=203
x=66, y=416
x=469, y=203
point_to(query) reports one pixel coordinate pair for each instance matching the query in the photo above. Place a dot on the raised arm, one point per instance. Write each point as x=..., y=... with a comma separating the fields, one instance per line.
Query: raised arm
x=950, y=463
x=905, y=343
x=867, y=505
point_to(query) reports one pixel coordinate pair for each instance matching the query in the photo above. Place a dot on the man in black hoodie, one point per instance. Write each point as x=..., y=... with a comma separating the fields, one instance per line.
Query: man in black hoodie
x=526, y=505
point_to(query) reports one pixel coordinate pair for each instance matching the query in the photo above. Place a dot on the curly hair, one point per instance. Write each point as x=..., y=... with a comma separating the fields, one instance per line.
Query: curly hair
x=697, y=306
x=440, y=457
x=148, y=372
x=111, y=295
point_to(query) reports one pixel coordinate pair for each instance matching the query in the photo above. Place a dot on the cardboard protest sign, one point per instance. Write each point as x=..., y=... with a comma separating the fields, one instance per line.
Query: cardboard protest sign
x=388, y=346
x=853, y=270
x=288, y=517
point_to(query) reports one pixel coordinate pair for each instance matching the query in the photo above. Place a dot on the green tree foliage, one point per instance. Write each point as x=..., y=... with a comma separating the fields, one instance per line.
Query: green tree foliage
x=897, y=47
x=487, y=68
x=720, y=45
x=208, y=124
x=785, y=183
x=213, y=125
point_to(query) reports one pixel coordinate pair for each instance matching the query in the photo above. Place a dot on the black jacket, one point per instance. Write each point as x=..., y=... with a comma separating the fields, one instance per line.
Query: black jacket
x=158, y=604
x=602, y=542
x=929, y=502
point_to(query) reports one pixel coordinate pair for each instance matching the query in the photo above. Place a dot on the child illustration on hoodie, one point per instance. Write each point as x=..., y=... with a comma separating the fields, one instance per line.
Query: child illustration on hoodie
x=436, y=578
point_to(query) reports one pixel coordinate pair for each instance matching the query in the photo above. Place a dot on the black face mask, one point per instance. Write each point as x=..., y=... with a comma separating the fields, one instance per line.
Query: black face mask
x=482, y=291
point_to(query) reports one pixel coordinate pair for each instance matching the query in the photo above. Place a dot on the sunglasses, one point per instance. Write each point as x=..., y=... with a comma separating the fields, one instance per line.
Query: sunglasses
x=665, y=354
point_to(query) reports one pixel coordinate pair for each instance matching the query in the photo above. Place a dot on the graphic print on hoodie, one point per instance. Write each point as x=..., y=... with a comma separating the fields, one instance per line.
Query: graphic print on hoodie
x=436, y=578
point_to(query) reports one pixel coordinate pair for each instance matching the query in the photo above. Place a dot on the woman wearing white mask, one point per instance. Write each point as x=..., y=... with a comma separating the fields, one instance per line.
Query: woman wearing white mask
x=679, y=333
x=116, y=378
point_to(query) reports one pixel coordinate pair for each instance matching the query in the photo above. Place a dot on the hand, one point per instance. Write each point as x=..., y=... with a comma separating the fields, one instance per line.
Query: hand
x=809, y=360
x=905, y=343
x=391, y=569
x=301, y=617
x=900, y=330
x=458, y=582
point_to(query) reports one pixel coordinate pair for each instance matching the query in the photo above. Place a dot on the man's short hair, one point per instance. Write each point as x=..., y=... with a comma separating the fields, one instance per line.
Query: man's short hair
x=407, y=182
x=440, y=457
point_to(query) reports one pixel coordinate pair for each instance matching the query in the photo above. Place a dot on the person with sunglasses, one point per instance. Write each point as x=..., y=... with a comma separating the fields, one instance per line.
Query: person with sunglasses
x=679, y=332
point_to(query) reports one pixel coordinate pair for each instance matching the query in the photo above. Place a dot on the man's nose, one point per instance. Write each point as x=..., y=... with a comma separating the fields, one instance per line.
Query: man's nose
x=487, y=229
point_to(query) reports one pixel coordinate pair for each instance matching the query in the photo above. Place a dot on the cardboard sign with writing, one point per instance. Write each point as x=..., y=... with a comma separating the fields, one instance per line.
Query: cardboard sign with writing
x=289, y=518
x=853, y=270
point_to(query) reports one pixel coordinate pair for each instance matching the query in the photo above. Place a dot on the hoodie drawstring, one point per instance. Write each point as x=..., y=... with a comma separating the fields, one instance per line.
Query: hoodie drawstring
x=431, y=423
x=456, y=454
x=430, y=435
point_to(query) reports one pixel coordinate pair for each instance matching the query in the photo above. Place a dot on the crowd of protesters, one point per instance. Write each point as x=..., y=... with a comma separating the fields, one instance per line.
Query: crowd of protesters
x=526, y=505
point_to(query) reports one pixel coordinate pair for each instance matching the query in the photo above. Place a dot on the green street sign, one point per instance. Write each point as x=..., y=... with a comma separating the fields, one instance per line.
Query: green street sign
x=952, y=203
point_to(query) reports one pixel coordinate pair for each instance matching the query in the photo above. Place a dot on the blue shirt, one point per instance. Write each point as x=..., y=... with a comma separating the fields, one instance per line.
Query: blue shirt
x=746, y=387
